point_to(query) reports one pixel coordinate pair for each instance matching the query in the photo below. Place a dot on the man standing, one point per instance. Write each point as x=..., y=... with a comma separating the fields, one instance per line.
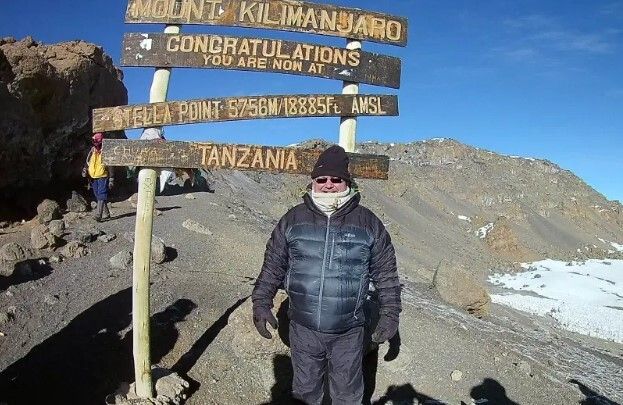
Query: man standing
x=325, y=252
x=102, y=179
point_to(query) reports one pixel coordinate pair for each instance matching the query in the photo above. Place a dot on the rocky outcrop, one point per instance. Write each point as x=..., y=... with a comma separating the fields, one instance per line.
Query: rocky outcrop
x=47, y=93
x=459, y=288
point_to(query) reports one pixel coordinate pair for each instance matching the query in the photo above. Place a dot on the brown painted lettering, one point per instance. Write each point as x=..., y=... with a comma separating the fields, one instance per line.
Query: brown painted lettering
x=243, y=158
x=257, y=159
x=291, y=164
x=214, y=158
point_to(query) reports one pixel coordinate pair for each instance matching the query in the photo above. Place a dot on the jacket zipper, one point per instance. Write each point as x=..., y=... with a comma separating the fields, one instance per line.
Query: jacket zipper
x=358, y=296
x=288, y=281
x=324, y=262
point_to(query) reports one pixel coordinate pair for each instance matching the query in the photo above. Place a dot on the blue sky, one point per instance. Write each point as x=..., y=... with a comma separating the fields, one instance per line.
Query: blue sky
x=539, y=79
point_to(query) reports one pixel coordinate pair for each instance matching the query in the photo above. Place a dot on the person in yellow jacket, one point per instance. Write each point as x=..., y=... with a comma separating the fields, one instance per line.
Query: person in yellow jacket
x=101, y=177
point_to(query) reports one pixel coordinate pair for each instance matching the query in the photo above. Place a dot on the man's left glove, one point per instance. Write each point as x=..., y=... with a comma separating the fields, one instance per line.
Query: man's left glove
x=386, y=328
x=261, y=315
x=111, y=183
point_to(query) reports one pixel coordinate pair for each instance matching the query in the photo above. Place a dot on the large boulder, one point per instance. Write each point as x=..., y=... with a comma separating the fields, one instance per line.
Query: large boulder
x=48, y=210
x=42, y=238
x=13, y=251
x=77, y=203
x=459, y=288
x=47, y=93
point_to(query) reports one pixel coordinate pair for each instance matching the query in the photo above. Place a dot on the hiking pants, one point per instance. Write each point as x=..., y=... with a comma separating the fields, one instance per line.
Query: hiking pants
x=315, y=354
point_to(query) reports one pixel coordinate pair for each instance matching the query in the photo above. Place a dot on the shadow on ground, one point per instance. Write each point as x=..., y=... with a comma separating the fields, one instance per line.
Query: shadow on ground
x=188, y=360
x=90, y=357
x=592, y=397
x=24, y=271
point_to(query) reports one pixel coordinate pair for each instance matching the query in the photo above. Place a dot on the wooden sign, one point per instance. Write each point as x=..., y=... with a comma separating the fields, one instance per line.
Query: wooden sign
x=242, y=108
x=118, y=152
x=257, y=54
x=286, y=15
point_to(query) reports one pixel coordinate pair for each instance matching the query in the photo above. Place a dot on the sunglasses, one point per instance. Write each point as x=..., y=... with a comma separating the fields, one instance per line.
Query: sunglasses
x=323, y=180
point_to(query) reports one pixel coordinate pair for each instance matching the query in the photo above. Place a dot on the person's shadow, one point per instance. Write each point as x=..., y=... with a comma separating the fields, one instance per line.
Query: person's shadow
x=492, y=391
x=88, y=359
x=592, y=397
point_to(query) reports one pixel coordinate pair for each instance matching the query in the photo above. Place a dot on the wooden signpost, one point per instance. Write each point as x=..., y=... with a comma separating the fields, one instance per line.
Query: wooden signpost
x=242, y=108
x=172, y=49
x=119, y=152
x=286, y=15
x=261, y=55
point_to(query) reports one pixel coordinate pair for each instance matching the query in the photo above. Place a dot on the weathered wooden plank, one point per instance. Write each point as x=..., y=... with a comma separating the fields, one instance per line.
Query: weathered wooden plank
x=260, y=54
x=286, y=15
x=242, y=108
x=117, y=152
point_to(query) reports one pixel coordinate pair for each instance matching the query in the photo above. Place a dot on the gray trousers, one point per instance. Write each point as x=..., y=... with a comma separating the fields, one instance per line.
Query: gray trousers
x=338, y=356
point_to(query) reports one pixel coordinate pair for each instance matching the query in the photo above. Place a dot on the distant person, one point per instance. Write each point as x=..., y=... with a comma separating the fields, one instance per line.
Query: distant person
x=325, y=252
x=101, y=177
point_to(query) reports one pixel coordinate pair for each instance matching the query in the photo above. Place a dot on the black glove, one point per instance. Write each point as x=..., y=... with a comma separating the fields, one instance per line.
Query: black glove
x=261, y=315
x=386, y=328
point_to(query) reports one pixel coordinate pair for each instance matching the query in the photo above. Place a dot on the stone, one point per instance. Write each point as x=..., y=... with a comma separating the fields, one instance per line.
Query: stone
x=6, y=269
x=129, y=236
x=190, y=196
x=48, y=210
x=13, y=251
x=5, y=317
x=77, y=203
x=75, y=249
x=524, y=367
x=107, y=237
x=57, y=227
x=86, y=234
x=459, y=288
x=196, y=227
x=158, y=250
x=50, y=299
x=42, y=238
x=122, y=260
x=170, y=389
x=456, y=375
x=55, y=259
x=72, y=217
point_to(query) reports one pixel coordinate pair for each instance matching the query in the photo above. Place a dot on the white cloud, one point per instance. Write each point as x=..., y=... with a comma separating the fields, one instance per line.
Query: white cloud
x=543, y=38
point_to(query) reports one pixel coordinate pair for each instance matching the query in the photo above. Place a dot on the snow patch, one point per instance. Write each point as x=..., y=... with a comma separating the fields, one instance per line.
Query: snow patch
x=583, y=297
x=617, y=246
x=146, y=44
x=464, y=218
x=482, y=232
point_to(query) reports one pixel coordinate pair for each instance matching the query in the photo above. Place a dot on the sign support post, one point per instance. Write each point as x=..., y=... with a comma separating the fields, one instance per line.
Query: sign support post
x=142, y=251
x=348, y=125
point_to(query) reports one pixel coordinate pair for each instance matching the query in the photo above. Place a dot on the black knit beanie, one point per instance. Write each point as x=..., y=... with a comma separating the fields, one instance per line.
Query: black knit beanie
x=332, y=162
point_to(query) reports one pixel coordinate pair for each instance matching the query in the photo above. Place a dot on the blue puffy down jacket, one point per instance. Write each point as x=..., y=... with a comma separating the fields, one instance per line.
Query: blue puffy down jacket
x=325, y=265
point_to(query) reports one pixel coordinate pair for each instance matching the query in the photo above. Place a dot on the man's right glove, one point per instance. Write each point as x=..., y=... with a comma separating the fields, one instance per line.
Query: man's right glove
x=386, y=328
x=261, y=315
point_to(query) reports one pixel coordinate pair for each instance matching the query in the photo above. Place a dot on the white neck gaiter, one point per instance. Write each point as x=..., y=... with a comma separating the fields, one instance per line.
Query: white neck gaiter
x=330, y=202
